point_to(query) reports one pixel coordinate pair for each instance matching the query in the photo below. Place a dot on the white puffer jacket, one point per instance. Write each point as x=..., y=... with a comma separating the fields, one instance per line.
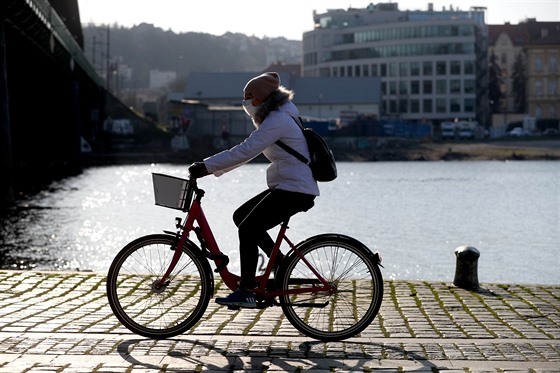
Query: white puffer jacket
x=285, y=172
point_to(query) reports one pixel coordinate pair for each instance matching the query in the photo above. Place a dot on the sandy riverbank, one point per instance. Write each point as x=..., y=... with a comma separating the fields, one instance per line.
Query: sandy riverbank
x=386, y=150
x=459, y=150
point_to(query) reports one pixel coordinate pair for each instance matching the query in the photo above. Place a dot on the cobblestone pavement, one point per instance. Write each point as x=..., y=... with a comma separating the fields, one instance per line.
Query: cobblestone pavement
x=61, y=322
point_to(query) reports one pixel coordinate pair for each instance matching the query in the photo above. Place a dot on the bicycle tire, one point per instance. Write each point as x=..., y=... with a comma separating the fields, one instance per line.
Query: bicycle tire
x=352, y=268
x=167, y=311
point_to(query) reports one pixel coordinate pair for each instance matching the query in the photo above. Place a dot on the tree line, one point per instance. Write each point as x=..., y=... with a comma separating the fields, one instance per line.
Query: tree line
x=144, y=47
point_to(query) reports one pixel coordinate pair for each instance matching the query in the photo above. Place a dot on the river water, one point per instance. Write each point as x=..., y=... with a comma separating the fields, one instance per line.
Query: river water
x=414, y=213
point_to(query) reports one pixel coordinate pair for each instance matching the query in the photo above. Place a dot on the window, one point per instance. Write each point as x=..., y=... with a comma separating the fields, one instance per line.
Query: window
x=441, y=68
x=441, y=87
x=469, y=105
x=374, y=70
x=441, y=105
x=415, y=87
x=469, y=86
x=349, y=70
x=454, y=105
x=335, y=71
x=403, y=87
x=553, y=65
x=383, y=69
x=415, y=68
x=455, y=67
x=357, y=70
x=455, y=86
x=384, y=88
x=552, y=89
x=427, y=87
x=366, y=70
x=414, y=106
x=403, y=69
x=469, y=67
x=385, y=107
x=393, y=88
x=403, y=106
x=393, y=69
x=538, y=64
x=427, y=106
x=427, y=68
x=538, y=88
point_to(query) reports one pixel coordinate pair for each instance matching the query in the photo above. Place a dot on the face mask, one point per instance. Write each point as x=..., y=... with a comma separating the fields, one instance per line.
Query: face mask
x=249, y=108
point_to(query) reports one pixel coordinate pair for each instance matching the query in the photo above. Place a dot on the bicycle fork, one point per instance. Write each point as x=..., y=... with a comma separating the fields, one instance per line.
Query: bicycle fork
x=185, y=229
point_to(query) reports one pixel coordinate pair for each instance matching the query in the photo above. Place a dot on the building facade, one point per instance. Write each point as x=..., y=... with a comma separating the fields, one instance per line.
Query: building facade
x=317, y=99
x=543, y=74
x=432, y=64
x=537, y=46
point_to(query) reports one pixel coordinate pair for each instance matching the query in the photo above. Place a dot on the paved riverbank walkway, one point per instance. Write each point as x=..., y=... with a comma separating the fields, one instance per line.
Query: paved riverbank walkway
x=61, y=322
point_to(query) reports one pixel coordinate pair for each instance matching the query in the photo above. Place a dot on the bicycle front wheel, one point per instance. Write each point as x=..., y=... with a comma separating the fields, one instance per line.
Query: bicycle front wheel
x=159, y=311
x=344, y=263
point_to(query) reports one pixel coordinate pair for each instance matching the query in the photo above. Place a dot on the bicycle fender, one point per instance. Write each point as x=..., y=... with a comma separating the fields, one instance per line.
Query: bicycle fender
x=375, y=257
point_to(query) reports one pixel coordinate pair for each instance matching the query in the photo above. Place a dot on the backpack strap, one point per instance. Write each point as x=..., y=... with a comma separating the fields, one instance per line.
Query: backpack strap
x=291, y=150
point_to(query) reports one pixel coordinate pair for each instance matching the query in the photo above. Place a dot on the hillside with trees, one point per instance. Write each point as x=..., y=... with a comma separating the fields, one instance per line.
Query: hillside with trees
x=144, y=47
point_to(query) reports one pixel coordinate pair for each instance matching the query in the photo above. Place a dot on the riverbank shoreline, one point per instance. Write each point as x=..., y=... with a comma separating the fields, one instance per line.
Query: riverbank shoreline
x=392, y=150
x=463, y=151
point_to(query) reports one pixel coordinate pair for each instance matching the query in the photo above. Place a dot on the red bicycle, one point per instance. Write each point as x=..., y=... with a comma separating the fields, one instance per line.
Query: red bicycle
x=329, y=286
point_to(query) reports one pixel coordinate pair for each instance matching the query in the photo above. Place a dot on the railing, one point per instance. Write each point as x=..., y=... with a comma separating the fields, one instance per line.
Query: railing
x=40, y=22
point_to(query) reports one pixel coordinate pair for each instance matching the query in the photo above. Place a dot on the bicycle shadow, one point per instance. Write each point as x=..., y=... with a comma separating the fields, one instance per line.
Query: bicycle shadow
x=313, y=355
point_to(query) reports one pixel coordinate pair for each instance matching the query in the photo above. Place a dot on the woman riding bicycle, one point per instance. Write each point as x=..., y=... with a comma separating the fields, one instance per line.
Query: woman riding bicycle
x=291, y=186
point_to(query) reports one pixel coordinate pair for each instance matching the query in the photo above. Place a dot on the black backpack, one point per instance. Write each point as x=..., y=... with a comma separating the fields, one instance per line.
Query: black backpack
x=322, y=163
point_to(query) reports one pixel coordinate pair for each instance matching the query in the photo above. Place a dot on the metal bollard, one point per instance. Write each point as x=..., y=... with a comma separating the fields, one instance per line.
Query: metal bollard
x=466, y=271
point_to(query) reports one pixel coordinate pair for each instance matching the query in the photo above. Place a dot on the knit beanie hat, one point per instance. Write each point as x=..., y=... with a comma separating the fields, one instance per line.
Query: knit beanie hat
x=263, y=85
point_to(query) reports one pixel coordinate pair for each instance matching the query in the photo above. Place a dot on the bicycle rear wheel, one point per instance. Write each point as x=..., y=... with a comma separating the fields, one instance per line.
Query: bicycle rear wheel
x=161, y=312
x=348, y=265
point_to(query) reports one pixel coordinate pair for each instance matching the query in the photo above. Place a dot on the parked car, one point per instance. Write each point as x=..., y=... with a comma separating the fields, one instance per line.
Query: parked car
x=448, y=130
x=550, y=132
x=517, y=132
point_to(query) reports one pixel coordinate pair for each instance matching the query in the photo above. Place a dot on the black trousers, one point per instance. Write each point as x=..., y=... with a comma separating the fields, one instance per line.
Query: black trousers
x=255, y=217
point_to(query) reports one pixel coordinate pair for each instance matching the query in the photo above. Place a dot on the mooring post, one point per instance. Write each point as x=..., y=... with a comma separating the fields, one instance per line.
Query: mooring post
x=466, y=270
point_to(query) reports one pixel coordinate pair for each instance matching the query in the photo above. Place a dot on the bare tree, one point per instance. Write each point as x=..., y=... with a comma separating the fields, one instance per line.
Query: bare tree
x=495, y=94
x=519, y=85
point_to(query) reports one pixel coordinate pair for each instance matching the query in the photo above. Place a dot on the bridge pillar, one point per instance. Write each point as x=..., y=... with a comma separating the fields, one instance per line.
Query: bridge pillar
x=6, y=162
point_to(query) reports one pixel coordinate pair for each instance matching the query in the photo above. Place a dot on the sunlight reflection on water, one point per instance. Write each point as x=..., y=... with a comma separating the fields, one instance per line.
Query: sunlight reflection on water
x=414, y=213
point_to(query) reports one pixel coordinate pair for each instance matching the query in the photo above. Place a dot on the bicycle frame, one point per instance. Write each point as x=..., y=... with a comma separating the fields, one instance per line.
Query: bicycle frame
x=196, y=214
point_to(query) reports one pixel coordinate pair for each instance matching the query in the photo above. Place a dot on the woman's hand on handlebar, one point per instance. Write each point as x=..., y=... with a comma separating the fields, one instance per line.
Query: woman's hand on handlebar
x=198, y=170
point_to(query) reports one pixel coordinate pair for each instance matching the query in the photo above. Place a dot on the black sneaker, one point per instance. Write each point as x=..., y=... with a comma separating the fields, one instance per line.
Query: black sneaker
x=239, y=298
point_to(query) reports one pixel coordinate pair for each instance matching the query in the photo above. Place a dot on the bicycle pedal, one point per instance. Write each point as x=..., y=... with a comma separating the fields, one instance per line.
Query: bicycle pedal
x=266, y=303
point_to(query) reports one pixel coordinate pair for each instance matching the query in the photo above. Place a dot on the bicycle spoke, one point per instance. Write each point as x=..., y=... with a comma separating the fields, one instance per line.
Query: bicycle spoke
x=355, y=300
x=144, y=305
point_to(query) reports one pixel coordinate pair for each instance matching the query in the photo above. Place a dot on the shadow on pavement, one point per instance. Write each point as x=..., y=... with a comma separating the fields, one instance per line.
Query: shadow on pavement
x=306, y=355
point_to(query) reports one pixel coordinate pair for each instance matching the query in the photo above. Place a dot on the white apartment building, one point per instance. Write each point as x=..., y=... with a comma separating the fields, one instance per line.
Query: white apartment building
x=432, y=64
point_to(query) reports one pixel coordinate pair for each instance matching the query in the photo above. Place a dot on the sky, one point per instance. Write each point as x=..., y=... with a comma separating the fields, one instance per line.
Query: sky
x=287, y=18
